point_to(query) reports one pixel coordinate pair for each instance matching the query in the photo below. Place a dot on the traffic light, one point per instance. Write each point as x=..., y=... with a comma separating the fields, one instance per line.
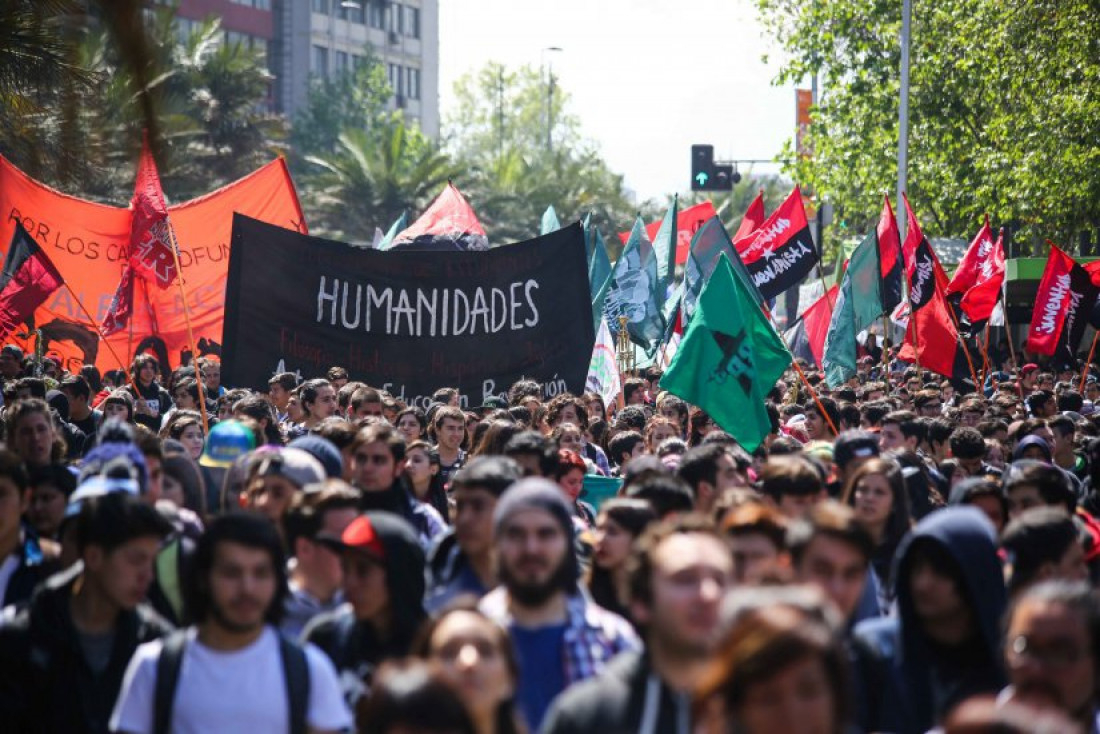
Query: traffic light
x=706, y=175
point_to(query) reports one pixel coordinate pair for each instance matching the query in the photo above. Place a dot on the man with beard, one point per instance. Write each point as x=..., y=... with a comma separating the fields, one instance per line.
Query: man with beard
x=232, y=671
x=560, y=636
x=678, y=576
x=1051, y=650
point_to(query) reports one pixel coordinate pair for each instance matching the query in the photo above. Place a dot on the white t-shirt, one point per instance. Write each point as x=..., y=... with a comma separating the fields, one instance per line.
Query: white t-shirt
x=241, y=690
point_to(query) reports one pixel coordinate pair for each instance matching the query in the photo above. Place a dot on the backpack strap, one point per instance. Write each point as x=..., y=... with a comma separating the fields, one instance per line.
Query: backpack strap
x=296, y=675
x=168, y=676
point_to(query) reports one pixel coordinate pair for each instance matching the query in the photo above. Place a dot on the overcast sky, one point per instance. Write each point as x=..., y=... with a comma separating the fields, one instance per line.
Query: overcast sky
x=648, y=78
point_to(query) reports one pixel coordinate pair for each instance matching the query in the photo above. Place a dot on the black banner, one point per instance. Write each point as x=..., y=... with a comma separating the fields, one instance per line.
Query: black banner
x=408, y=322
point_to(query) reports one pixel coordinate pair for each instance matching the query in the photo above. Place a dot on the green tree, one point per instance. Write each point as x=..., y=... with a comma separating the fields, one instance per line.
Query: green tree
x=357, y=100
x=498, y=136
x=40, y=79
x=372, y=177
x=1004, y=103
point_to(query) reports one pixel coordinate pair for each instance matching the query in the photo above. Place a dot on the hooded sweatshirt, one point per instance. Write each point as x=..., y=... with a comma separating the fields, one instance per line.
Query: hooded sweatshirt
x=357, y=647
x=928, y=678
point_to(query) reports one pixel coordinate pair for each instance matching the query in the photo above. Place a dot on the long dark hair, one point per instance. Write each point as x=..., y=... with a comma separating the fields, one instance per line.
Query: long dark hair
x=633, y=515
x=900, y=519
x=507, y=722
x=247, y=529
x=437, y=493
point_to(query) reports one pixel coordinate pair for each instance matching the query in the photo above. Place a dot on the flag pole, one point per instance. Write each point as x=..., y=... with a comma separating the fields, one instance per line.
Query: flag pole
x=95, y=325
x=806, y=382
x=190, y=332
x=817, y=400
x=962, y=341
x=1085, y=369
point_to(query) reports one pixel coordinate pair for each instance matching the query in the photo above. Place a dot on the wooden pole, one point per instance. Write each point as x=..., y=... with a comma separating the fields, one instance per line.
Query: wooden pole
x=962, y=342
x=1085, y=369
x=190, y=332
x=96, y=326
x=817, y=400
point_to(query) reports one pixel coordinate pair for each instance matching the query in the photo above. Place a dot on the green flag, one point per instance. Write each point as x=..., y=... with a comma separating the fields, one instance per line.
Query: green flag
x=710, y=242
x=633, y=293
x=858, y=304
x=550, y=221
x=599, y=276
x=664, y=247
x=397, y=227
x=730, y=357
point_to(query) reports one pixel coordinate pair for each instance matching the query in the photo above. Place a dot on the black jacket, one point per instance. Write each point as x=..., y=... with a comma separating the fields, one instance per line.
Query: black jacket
x=45, y=682
x=355, y=647
x=35, y=565
x=928, y=679
x=618, y=700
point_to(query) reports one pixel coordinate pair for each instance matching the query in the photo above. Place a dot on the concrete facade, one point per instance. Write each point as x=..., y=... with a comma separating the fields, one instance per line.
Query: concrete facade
x=321, y=38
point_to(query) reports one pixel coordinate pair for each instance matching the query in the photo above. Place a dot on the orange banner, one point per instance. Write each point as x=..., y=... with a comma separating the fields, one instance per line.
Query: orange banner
x=87, y=242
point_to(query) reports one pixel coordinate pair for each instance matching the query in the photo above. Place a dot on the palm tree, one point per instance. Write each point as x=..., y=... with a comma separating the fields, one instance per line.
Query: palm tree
x=38, y=76
x=373, y=177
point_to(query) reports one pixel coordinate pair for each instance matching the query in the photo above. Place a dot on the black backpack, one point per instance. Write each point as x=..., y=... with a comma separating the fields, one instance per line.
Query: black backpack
x=295, y=674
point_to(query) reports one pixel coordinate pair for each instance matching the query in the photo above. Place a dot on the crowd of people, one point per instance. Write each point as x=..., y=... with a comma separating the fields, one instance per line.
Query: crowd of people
x=899, y=554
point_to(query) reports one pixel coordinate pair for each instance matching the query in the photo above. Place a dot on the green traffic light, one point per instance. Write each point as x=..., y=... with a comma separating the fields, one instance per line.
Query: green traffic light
x=701, y=178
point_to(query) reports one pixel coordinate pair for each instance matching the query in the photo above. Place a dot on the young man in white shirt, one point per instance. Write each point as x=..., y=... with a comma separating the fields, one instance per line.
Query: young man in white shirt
x=232, y=671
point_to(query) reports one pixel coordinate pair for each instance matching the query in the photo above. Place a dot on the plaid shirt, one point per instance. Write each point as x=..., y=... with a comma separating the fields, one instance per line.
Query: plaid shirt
x=593, y=635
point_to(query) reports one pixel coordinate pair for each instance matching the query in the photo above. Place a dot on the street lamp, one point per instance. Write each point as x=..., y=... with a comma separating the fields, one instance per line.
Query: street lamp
x=549, y=94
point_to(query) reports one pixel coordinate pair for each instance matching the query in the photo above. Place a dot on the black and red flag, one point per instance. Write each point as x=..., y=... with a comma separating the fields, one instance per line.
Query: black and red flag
x=890, y=260
x=1064, y=306
x=781, y=252
x=27, y=280
x=931, y=339
x=448, y=224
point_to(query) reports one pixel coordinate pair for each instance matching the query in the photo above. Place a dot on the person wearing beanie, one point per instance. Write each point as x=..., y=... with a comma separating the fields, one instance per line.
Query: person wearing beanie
x=561, y=637
x=383, y=584
x=324, y=451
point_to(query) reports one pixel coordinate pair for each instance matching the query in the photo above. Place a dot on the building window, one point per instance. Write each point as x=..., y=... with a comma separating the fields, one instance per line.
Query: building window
x=397, y=79
x=319, y=66
x=352, y=12
x=320, y=6
x=413, y=83
x=341, y=62
x=375, y=14
x=397, y=18
x=412, y=22
x=258, y=4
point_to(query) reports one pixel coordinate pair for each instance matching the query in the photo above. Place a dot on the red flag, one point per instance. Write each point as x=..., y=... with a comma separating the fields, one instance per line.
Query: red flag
x=980, y=300
x=816, y=319
x=449, y=223
x=27, y=280
x=889, y=257
x=754, y=217
x=688, y=222
x=1051, y=303
x=122, y=305
x=931, y=337
x=151, y=251
x=966, y=275
x=781, y=252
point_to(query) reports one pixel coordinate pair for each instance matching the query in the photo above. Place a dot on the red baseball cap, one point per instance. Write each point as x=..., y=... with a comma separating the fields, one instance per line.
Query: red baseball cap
x=1029, y=367
x=360, y=536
